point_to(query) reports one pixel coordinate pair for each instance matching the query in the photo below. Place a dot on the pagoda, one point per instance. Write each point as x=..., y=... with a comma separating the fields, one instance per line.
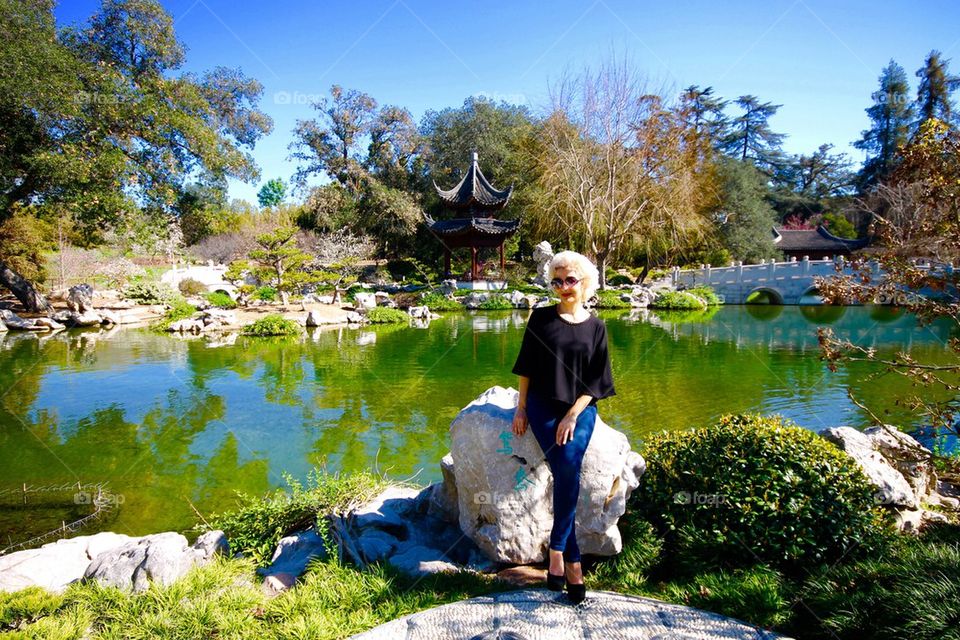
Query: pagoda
x=476, y=202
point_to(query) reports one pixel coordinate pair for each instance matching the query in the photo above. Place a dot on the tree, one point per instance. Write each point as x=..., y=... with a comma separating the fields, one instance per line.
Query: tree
x=97, y=124
x=749, y=136
x=916, y=213
x=281, y=263
x=746, y=219
x=333, y=145
x=614, y=161
x=891, y=116
x=806, y=183
x=933, y=92
x=272, y=193
x=704, y=113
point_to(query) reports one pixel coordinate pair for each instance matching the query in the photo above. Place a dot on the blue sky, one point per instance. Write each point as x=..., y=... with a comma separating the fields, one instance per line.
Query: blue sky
x=820, y=59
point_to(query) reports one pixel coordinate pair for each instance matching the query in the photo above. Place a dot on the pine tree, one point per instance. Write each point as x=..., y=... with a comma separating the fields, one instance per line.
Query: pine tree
x=703, y=113
x=933, y=93
x=891, y=116
x=750, y=137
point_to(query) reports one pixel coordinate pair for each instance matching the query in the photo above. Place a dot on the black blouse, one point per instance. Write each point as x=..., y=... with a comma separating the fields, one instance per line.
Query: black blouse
x=565, y=360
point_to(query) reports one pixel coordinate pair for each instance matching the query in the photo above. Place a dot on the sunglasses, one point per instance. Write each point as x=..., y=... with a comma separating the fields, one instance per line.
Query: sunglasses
x=570, y=281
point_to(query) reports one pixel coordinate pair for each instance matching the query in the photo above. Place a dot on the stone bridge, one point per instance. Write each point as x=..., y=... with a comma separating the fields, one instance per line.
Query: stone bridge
x=783, y=282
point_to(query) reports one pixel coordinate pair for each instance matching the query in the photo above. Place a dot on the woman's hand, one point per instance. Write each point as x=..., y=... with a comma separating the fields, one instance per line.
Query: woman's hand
x=520, y=421
x=565, y=429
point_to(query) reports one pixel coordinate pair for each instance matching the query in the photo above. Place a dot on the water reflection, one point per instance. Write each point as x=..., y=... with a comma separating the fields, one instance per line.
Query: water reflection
x=177, y=425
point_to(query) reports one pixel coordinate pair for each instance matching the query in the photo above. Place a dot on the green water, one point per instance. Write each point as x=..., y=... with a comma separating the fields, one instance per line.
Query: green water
x=172, y=424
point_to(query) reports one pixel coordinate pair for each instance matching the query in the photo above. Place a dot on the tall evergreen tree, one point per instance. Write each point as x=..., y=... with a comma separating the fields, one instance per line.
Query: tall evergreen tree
x=891, y=116
x=933, y=93
x=750, y=137
x=703, y=114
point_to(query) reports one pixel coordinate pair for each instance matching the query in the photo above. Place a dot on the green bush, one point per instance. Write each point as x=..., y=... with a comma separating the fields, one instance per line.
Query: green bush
x=618, y=279
x=752, y=488
x=149, y=293
x=191, y=287
x=273, y=324
x=265, y=293
x=221, y=300
x=436, y=301
x=495, y=303
x=610, y=299
x=706, y=294
x=677, y=300
x=178, y=309
x=257, y=525
x=387, y=315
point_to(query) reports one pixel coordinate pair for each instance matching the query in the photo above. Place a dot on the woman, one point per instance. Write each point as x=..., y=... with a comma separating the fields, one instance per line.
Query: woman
x=564, y=368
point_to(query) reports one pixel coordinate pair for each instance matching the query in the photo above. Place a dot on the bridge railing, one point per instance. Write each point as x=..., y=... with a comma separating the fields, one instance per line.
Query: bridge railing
x=766, y=271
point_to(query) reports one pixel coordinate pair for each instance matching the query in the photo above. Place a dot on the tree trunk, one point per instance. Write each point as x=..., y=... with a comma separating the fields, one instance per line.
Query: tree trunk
x=31, y=299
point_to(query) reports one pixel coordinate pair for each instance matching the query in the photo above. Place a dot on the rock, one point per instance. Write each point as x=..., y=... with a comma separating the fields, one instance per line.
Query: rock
x=383, y=299
x=355, y=318
x=448, y=287
x=474, y=299
x=422, y=312
x=517, y=298
x=80, y=298
x=418, y=560
x=313, y=319
x=212, y=543
x=57, y=564
x=88, y=318
x=13, y=321
x=364, y=300
x=325, y=299
x=892, y=488
x=376, y=545
x=504, y=484
x=916, y=520
x=219, y=317
x=542, y=255
x=161, y=557
x=276, y=583
x=442, y=501
x=388, y=511
x=294, y=552
x=48, y=323
x=109, y=317
x=3, y=326
x=907, y=456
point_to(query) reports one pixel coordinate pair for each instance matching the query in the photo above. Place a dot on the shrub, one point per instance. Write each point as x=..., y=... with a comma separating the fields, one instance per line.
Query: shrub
x=706, y=294
x=752, y=488
x=273, y=324
x=179, y=309
x=610, y=299
x=677, y=300
x=387, y=315
x=149, y=293
x=436, y=301
x=495, y=303
x=618, y=279
x=258, y=524
x=265, y=293
x=221, y=300
x=191, y=287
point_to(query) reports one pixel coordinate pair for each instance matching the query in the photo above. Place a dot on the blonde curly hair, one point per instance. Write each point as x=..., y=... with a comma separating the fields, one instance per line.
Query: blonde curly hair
x=582, y=265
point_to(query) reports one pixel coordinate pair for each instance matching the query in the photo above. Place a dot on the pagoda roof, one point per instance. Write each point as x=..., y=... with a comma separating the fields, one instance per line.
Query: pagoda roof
x=474, y=191
x=818, y=239
x=473, y=226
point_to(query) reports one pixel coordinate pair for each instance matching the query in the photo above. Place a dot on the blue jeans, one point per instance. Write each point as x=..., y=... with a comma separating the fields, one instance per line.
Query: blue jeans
x=565, y=462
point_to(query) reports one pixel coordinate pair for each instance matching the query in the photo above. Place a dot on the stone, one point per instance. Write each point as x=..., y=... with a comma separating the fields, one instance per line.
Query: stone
x=422, y=312
x=448, y=287
x=80, y=298
x=48, y=323
x=355, y=318
x=313, y=319
x=542, y=255
x=160, y=557
x=907, y=456
x=325, y=299
x=442, y=501
x=277, y=583
x=504, y=484
x=892, y=488
x=417, y=560
x=13, y=321
x=375, y=545
x=109, y=317
x=517, y=298
x=3, y=326
x=219, y=317
x=87, y=318
x=364, y=300
x=55, y=565
x=916, y=520
x=389, y=510
x=294, y=553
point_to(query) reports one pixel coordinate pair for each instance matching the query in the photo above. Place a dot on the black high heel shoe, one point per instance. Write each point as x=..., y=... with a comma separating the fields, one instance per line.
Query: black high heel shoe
x=555, y=583
x=576, y=592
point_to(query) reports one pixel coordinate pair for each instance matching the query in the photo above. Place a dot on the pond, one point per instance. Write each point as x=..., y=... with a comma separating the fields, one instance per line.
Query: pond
x=174, y=427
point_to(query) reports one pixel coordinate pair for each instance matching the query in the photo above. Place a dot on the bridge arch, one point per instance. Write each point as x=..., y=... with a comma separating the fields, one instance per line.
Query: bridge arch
x=810, y=296
x=764, y=295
